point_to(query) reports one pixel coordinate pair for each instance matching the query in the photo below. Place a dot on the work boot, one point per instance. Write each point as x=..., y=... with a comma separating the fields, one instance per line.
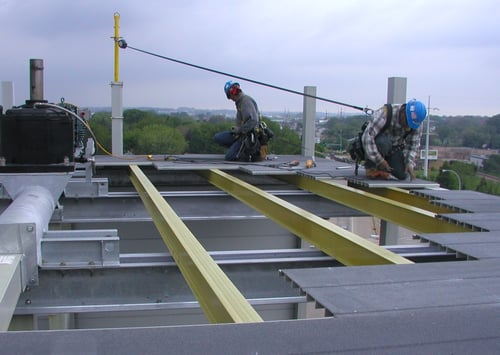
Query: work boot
x=263, y=151
x=376, y=174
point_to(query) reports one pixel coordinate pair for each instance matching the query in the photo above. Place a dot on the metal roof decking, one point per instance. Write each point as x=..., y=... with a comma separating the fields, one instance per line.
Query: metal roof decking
x=420, y=286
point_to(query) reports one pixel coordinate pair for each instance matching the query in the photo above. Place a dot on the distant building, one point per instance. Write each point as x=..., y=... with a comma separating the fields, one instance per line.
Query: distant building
x=478, y=160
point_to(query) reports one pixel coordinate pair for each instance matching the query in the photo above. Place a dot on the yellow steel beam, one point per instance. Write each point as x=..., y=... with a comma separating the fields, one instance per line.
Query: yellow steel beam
x=218, y=297
x=410, y=217
x=348, y=248
x=404, y=196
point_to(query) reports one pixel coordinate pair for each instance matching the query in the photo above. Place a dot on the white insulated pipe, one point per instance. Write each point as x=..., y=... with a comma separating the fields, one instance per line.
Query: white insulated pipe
x=32, y=205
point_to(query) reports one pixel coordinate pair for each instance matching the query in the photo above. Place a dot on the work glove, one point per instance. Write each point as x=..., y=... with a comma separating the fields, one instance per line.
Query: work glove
x=409, y=170
x=384, y=166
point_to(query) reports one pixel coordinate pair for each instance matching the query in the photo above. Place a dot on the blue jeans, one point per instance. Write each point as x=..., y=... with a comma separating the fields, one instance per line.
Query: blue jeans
x=392, y=154
x=229, y=140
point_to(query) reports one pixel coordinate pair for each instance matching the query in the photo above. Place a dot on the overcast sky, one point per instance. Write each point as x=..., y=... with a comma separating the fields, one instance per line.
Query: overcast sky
x=447, y=49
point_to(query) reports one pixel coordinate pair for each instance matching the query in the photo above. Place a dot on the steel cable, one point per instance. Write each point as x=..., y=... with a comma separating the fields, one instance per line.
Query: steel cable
x=122, y=44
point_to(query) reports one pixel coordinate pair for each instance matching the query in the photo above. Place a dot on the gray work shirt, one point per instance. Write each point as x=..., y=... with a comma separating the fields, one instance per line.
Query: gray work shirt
x=247, y=115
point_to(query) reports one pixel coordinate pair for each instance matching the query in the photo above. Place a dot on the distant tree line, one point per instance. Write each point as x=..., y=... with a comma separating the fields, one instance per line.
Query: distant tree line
x=466, y=131
x=148, y=132
x=469, y=177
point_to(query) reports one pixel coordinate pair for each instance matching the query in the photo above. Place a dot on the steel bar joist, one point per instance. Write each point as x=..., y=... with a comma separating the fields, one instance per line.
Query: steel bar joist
x=346, y=247
x=405, y=215
x=218, y=297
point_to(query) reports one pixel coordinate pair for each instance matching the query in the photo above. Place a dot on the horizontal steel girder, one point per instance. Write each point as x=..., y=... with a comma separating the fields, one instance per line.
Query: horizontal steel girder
x=347, y=247
x=219, y=299
x=405, y=215
x=80, y=248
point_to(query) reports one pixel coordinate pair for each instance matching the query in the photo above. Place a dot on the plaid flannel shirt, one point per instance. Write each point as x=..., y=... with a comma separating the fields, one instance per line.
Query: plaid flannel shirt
x=397, y=132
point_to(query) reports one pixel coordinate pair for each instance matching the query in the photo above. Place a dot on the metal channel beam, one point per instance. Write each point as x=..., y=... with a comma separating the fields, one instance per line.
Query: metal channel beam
x=219, y=299
x=407, y=216
x=348, y=248
x=80, y=248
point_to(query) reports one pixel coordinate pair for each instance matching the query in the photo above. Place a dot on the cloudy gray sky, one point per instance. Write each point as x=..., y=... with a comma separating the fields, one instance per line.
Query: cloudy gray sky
x=447, y=49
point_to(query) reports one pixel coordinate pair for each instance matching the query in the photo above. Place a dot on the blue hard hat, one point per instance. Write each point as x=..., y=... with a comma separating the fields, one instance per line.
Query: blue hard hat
x=415, y=113
x=228, y=86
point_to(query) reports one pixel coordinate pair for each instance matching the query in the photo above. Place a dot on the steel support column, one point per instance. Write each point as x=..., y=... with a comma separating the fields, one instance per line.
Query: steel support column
x=348, y=248
x=219, y=299
x=10, y=287
x=407, y=216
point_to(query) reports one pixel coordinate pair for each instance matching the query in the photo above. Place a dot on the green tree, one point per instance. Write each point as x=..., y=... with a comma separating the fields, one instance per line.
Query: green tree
x=132, y=117
x=475, y=138
x=100, y=123
x=493, y=128
x=285, y=140
x=492, y=165
x=466, y=172
x=154, y=139
x=200, y=137
x=345, y=127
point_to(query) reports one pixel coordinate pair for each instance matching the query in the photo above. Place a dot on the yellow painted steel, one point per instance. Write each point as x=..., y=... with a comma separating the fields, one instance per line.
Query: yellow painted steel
x=346, y=247
x=218, y=297
x=117, y=49
x=404, y=196
x=410, y=217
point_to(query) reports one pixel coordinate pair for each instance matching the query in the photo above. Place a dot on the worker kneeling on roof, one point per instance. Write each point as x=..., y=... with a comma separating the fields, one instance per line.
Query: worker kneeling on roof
x=242, y=140
x=391, y=150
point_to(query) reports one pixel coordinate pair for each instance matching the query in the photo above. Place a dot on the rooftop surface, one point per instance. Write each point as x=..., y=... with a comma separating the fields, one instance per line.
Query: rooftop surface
x=433, y=307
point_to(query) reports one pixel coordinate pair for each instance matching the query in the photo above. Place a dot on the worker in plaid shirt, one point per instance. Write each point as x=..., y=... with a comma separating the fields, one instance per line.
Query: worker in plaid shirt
x=392, y=151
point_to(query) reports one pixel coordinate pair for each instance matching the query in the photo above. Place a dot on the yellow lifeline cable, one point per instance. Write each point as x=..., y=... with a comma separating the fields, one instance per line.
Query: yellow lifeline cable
x=117, y=35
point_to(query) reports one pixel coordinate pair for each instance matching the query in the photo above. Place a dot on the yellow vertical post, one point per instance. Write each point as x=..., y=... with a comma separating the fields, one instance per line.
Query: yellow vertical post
x=117, y=35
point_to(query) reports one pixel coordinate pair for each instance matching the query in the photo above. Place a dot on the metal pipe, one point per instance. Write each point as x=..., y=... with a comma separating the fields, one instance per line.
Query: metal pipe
x=426, y=160
x=36, y=79
x=22, y=226
x=34, y=204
